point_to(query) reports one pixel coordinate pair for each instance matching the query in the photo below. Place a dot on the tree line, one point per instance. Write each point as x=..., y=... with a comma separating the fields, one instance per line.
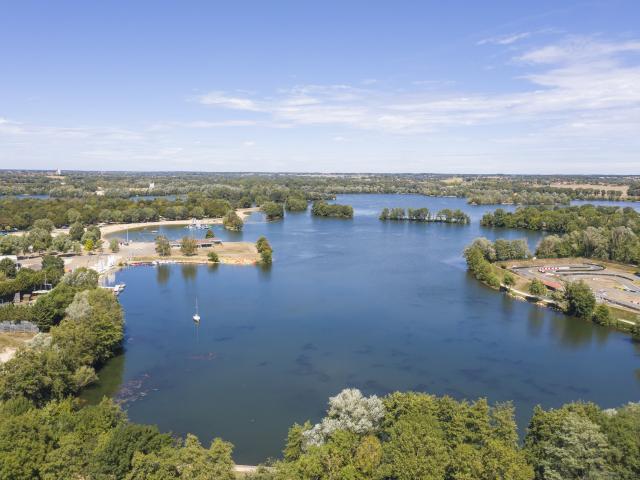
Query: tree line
x=39, y=239
x=512, y=189
x=424, y=215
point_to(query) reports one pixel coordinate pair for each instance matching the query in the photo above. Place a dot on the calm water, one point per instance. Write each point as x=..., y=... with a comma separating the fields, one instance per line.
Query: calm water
x=347, y=303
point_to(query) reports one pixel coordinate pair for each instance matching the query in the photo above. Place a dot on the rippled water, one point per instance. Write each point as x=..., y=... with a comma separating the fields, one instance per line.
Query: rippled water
x=347, y=303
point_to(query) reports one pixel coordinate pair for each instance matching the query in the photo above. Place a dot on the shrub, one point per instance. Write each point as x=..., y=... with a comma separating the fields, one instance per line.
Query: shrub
x=537, y=288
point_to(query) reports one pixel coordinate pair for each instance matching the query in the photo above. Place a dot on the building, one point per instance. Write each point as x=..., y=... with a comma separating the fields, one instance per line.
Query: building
x=552, y=285
x=205, y=243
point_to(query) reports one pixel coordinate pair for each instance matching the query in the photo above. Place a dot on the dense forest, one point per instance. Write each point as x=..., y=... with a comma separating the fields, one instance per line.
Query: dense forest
x=606, y=233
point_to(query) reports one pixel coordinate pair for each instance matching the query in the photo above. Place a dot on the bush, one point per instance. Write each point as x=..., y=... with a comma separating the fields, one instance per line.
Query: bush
x=213, y=257
x=602, y=315
x=537, y=288
x=508, y=279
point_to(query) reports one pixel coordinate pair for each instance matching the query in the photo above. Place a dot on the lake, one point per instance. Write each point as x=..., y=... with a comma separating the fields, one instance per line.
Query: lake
x=380, y=306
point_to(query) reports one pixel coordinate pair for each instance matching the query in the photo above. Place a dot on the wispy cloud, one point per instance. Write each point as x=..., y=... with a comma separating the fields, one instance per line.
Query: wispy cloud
x=220, y=99
x=504, y=39
x=584, y=77
x=578, y=50
x=577, y=96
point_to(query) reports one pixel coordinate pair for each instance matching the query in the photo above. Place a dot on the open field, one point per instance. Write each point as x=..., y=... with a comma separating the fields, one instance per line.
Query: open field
x=234, y=253
x=10, y=342
x=574, y=186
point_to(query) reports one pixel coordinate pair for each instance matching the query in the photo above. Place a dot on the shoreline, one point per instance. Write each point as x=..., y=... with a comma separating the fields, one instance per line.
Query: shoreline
x=112, y=228
x=620, y=325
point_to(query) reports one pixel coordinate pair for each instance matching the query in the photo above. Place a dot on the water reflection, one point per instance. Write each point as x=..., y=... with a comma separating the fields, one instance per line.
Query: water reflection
x=189, y=271
x=111, y=380
x=163, y=273
x=535, y=321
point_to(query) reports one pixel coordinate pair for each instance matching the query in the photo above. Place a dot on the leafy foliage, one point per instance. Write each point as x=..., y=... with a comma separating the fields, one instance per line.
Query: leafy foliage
x=321, y=208
x=232, y=221
x=188, y=246
x=163, y=247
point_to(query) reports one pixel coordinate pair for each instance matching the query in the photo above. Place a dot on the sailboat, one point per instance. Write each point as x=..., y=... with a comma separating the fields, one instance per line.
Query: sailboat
x=196, y=317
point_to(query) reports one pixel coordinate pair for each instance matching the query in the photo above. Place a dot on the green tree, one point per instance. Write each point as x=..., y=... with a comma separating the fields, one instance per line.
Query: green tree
x=114, y=245
x=213, y=257
x=296, y=204
x=8, y=268
x=163, y=247
x=272, y=210
x=44, y=224
x=537, y=288
x=565, y=445
x=51, y=262
x=232, y=221
x=76, y=231
x=602, y=315
x=39, y=239
x=188, y=246
x=62, y=243
x=209, y=234
x=114, y=455
x=190, y=462
x=580, y=299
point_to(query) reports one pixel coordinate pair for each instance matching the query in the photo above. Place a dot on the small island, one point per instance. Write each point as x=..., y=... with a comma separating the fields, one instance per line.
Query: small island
x=323, y=209
x=424, y=215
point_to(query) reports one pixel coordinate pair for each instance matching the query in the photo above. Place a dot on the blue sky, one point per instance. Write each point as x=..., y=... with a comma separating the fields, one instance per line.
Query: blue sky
x=349, y=86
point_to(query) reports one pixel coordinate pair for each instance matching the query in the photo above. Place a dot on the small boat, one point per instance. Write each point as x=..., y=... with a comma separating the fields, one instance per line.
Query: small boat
x=196, y=317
